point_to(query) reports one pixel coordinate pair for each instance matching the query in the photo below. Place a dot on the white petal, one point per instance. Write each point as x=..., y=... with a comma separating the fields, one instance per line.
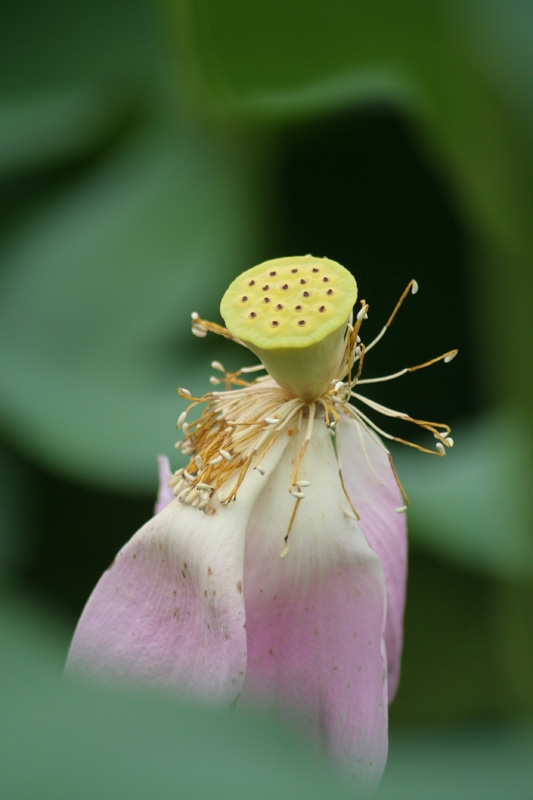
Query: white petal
x=372, y=487
x=315, y=619
x=169, y=613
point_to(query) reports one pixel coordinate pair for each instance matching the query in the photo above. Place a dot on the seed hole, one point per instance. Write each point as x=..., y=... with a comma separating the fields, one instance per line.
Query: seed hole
x=330, y=291
x=253, y=314
x=302, y=281
x=272, y=274
x=266, y=299
x=301, y=322
x=251, y=283
x=315, y=269
x=297, y=308
x=322, y=308
x=279, y=306
x=294, y=270
x=285, y=287
x=274, y=323
x=244, y=299
x=325, y=280
x=306, y=294
x=266, y=288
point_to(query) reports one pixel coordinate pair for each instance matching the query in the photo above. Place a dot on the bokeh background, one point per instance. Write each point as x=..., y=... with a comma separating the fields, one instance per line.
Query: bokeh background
x=149, y=152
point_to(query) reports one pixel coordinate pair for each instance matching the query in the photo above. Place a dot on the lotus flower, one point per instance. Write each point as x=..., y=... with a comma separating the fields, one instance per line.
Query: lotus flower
x=273, y=572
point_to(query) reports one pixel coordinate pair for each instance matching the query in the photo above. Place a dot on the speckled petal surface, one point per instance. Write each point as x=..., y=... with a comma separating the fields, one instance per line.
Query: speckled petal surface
x=315, y=619
x=376, y=498
x=169, y=612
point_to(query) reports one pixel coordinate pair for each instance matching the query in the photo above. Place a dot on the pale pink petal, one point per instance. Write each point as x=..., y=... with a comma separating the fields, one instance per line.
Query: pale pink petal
x=165, y=495
x=315, y=619
x=169, y=612
x=375, y=495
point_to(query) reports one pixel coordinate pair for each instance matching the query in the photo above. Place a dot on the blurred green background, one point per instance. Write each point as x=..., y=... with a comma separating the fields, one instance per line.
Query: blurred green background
x=151, y=151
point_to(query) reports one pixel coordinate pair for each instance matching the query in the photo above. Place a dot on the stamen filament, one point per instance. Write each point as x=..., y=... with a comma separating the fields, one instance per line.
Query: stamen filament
x=446, y=357
x=412, y=287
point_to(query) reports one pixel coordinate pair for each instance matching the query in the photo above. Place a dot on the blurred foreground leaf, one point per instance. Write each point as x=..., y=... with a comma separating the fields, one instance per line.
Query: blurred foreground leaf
x=60, y=740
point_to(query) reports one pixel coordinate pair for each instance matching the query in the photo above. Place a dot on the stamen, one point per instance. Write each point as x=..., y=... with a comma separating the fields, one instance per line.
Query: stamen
x=400, y=487
x=412, y=287
x=237, y=427
x=285, y=550
x=308, y=434
x=446, y=357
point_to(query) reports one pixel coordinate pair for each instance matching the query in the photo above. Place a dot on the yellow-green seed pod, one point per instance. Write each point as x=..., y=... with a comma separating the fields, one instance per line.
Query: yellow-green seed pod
x=292, y=313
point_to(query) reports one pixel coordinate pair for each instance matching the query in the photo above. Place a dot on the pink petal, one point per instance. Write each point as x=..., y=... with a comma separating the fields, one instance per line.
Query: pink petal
x=165, y=495
x=169, y=612
x=376, y=498
x=315, y=619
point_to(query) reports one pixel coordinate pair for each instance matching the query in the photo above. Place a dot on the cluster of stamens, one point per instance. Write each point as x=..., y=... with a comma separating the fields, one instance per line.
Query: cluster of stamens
x=233, y=433
x=238, y=426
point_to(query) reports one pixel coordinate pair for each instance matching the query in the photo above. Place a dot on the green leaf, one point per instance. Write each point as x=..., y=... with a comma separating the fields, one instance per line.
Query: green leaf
x=472, y=506
x=49, y=127
x=15, y=515
x=53, y=46
x=478, y=763
x=95, y=301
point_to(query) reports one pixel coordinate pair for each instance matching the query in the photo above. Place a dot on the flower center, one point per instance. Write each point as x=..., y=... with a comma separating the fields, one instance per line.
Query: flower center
x=314, y=367
x=292, y=313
